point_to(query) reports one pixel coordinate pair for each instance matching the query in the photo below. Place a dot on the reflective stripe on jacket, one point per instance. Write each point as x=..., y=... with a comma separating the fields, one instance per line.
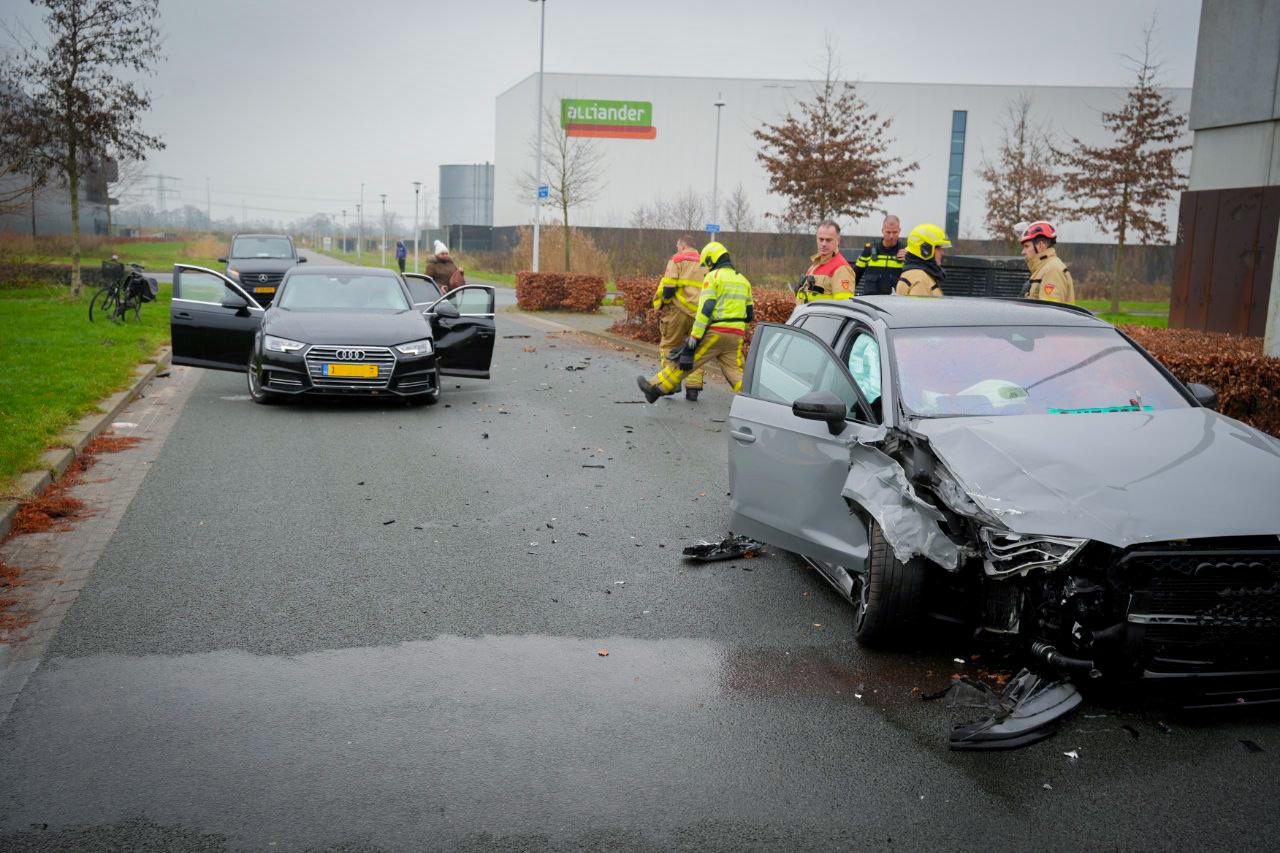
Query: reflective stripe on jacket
x=1050, y=278
x=833, y=276
x=877, y=268
x=685, y=274
x=732, y=294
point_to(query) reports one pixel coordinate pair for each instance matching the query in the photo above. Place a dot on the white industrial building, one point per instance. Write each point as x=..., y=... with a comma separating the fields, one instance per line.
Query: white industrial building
x=676, y=152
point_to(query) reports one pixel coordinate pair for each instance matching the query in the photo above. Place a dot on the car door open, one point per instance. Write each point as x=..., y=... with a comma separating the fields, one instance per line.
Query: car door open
x=786, y=472
x=212, y=320
x=465, y=342
x=422, y=288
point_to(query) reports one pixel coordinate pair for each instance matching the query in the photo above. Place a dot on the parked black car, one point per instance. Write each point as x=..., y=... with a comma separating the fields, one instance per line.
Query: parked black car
x=333, y=330
x=1023, y=468
x=259, y=261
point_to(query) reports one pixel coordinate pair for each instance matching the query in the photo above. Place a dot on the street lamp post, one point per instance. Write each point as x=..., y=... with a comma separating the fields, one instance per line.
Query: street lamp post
x=360, y=210
x=417, y=185
x=384, y=228
x=344, y=230
x=715, y=173
x=537, y=201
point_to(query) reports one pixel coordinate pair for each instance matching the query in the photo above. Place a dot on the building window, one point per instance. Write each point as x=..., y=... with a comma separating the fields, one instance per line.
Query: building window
x=955, y=172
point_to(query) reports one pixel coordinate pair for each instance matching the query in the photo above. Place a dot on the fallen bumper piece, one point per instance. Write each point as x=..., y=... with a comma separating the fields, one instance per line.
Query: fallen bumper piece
x=1026, y=712
x=729, y=548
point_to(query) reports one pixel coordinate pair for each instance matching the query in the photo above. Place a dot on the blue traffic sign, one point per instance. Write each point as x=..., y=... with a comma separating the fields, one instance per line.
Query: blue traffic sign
x=544, y=191
x=713, y=228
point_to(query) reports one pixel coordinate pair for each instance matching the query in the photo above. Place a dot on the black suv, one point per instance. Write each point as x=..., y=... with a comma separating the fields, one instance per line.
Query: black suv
x=259, y=262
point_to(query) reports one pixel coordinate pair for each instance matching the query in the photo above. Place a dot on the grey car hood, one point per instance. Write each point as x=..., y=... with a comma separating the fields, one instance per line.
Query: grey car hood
x=1120, y=478
x=367, y=328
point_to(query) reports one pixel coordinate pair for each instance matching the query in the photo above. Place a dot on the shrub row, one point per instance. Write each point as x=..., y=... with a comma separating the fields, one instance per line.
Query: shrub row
x=14, y=275
x=550, y=291
x=1247, y=382
x=641, y=323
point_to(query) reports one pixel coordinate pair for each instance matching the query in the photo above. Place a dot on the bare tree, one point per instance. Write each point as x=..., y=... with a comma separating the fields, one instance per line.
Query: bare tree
x=737, y=211
x=688, y=211
x=573, y=169
x=832, y=160
x=1021, y=181
x=1123, y=186
x=69, y=101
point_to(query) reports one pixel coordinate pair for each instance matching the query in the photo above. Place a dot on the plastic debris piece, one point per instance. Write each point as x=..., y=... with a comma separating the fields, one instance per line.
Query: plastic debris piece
x=1134, y=733
x=385, y=523
x=1072, y=754
x=514, y=337
x=1250, y=746
x=1047, y=786
x=729, y=548
x=1026, y=711
x=123, y=425
x=604, y=653
x=592, y=466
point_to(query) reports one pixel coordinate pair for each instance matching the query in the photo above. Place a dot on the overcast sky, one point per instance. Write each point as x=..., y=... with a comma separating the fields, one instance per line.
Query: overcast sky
x=285, y=106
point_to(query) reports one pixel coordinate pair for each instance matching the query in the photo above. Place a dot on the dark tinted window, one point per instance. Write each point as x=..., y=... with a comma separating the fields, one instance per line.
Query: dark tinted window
x=824, y=326
x=422, y=290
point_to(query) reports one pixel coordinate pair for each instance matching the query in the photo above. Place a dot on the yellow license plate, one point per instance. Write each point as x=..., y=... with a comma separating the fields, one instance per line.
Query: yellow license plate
x=362, y=371
x=264, y=290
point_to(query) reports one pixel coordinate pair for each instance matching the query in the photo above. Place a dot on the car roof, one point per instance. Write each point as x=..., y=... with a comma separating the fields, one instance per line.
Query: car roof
x=907, y=312
x=342, y=269
x=286, y=236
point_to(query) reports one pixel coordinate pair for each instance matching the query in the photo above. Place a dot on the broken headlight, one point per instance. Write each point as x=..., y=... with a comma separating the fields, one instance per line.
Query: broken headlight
x=1007, y=553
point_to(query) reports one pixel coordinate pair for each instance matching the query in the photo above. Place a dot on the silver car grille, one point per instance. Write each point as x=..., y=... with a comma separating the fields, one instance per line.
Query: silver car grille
x=318, y=356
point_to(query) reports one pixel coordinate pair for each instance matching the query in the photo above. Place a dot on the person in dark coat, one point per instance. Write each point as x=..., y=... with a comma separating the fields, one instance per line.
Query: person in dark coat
x=443, y=270
x=401, y=254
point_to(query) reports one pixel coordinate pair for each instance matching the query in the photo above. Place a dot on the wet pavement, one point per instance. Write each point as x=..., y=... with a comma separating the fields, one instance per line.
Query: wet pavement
x=357, y=626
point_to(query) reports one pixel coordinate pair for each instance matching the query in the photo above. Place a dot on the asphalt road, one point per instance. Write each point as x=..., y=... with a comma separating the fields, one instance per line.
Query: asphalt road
x=360, y=626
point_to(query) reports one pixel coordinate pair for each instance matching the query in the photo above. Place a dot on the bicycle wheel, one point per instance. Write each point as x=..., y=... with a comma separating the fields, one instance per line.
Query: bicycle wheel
x=102, y=304
x=131, y=303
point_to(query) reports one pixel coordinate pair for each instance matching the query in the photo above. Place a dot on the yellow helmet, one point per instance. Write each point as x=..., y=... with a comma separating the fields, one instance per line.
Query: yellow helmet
x=924, y=238
x=711, y=253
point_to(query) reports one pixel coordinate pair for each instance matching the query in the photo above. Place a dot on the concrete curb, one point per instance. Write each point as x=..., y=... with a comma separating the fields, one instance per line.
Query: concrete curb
x=638, y=346
x=55, y=461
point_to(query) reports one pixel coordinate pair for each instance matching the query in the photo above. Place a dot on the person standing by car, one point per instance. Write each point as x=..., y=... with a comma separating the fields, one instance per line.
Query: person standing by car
x=829, y=276
x=401, y=254
x=676, y=301
x=1050, y=278
x=725, y=309
x=446, y=274
x=877, y=269
x=922, y=272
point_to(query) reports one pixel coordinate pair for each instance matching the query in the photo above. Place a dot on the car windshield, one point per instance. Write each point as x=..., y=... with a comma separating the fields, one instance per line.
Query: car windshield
x=1026, y=370
x=261, y=247
x=315, y=292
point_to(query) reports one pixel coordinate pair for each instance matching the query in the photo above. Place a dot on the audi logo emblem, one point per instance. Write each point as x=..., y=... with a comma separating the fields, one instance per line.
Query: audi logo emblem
x=351, y=354
x=262, y=277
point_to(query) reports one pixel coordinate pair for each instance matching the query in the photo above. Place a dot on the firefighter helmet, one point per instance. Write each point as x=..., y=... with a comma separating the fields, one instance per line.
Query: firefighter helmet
x=925, y=239
x=1038, y=231
x=711, y=253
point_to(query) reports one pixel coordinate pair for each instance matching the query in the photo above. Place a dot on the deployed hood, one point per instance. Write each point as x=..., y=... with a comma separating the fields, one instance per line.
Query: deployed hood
x=366, y=328
x=1120, y=478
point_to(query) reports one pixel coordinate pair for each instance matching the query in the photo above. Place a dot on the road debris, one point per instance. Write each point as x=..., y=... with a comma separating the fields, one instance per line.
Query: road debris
x=604, y=653
x=514, y=337
x=1250, y=746
x=592, y=466
x=1025, y=712
x=729, y=548
x=1073, y=754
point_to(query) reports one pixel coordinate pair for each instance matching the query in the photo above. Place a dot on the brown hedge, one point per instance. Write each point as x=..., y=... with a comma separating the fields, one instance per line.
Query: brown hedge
x=539, y=291
x=1247, y=382
x=583, y=292
x=641, y=324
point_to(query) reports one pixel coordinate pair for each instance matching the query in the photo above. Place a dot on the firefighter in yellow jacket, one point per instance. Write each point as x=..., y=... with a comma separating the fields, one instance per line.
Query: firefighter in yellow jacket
x=1050, y=278
x=830, y=276
x=725, y=309
x=676, y=301
x=922, y=272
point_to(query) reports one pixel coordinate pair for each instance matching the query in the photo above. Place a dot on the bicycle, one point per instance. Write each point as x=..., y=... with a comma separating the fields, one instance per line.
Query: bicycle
x=125, y=290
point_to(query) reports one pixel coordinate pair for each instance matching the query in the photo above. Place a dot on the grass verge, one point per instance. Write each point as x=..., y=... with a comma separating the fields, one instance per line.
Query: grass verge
x=56, y=366
x=156, y=257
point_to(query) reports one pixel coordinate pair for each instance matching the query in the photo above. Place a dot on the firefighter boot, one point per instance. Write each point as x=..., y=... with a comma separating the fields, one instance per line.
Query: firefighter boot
x=691, y=394
x=651, y=394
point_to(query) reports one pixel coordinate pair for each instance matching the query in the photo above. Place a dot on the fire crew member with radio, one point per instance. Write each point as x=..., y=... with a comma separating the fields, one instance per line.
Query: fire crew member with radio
x=725, y=309
x=922, y=272
x=676, y=300
x=830, y=276
x=1050, y=278
x=877, y=269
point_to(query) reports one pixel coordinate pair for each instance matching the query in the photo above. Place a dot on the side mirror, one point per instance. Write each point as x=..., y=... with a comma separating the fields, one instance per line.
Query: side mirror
x=444, y=308
x=822, y=406
x=235, y=302
x=1204, y=395
x=222, y=260
x=301, y=260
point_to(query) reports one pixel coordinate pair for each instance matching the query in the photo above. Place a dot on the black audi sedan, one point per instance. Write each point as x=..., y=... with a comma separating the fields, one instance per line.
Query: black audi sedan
x=334, y=330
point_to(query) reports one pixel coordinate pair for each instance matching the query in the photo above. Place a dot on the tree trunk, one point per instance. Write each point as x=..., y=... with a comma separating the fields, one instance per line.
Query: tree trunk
x=1117, y=269
x=73, y=174
x=33, y=215
x=568, y=237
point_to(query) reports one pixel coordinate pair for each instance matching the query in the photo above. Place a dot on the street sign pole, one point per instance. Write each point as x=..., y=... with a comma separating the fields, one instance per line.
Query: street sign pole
x=537, y=205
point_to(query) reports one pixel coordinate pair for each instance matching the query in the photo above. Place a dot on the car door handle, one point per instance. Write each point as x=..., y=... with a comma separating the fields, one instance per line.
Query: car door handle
x=743, y=435
x=183, y=314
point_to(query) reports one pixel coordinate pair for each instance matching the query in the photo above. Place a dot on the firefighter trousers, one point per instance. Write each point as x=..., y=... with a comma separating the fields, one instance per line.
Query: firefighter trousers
x=723, y=348
x=675, y=326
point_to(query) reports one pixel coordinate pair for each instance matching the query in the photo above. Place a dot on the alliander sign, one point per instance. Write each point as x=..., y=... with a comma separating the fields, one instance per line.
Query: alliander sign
x=607, y=119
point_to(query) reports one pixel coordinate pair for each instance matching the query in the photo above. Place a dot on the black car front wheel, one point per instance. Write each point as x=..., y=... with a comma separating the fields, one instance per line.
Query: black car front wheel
x=257, y=393
x=889, y=596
